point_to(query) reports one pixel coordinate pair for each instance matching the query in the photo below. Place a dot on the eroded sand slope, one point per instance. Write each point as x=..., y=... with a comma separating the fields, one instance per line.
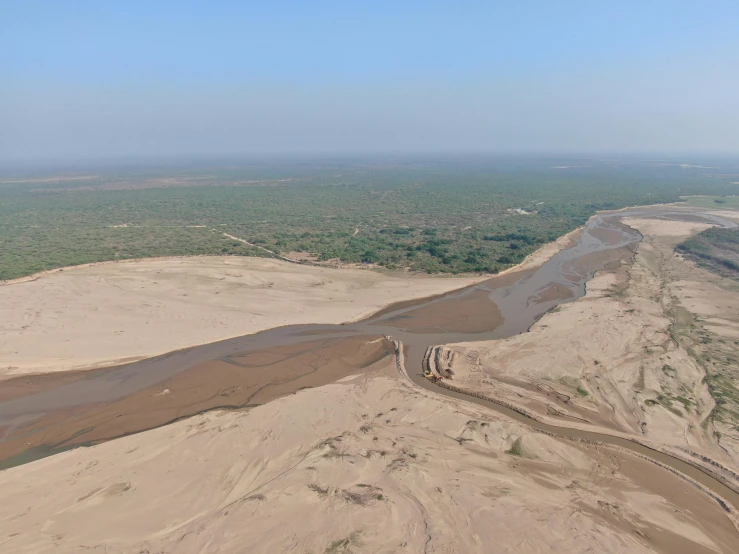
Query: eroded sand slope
x=369, y=464
x=94, y=316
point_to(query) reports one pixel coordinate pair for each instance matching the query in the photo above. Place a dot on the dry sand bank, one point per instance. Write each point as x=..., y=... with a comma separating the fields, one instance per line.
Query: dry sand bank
x=610, y=361
x=369, y=464
x=111, y=313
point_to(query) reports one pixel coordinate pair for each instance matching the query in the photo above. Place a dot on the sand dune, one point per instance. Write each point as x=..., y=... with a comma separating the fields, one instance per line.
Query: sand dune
x=100, y=315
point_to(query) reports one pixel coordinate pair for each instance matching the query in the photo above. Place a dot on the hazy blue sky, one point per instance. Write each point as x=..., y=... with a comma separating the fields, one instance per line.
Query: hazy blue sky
x=127, y=78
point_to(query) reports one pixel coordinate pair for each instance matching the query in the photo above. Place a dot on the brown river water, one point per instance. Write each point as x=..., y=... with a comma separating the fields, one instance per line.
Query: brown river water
x=46, y=414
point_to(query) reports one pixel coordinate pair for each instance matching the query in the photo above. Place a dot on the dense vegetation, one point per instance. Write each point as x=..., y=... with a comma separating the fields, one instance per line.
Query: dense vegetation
x=716, y=250
x=452, y=216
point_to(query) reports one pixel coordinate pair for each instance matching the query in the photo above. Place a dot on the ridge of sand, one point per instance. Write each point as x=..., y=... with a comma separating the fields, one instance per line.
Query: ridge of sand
x=368, y=464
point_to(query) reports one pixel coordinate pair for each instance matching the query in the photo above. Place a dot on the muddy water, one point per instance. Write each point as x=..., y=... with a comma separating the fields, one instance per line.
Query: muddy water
x=39, y=419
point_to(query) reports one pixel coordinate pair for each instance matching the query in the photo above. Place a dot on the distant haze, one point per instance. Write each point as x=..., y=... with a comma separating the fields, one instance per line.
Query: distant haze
x=88, y=80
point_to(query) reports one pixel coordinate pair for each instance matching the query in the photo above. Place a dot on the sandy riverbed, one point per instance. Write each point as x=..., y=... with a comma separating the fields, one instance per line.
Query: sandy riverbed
x=110, y=313
x=368, y=464
x=373, y=464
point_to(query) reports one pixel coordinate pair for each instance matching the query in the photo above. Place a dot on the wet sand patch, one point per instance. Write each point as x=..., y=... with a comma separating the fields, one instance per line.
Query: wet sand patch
x=25, y=385
x=553, y=292
x=473, y=312
x=605, y=235
x=606, y=259
x=495, y=282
